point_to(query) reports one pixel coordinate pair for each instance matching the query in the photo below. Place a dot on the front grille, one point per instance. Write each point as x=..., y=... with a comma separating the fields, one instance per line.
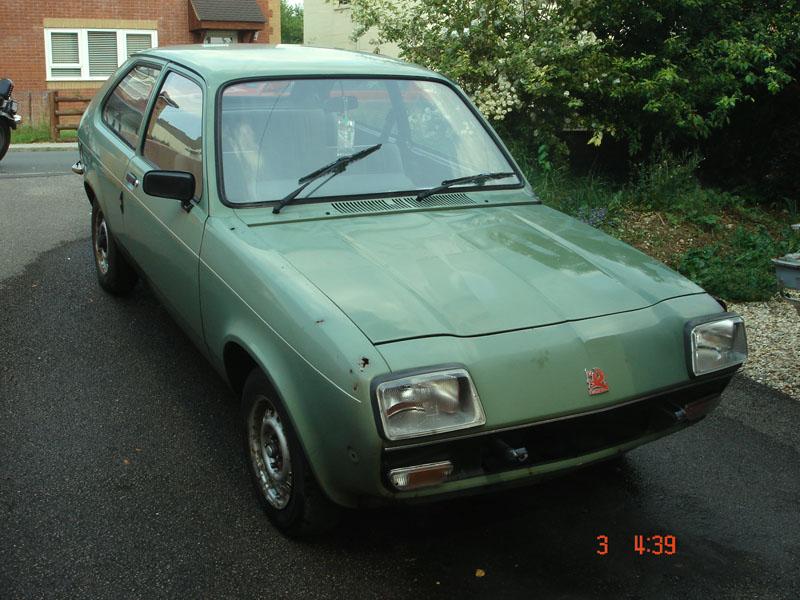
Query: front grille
x=562, y=439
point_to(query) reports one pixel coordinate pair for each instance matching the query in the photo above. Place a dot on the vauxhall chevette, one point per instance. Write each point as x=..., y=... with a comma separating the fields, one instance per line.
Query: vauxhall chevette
x=353, y=248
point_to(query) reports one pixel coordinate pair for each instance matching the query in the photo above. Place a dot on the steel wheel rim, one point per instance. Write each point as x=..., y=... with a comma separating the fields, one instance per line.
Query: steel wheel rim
x=101, y=244
x=269, y=453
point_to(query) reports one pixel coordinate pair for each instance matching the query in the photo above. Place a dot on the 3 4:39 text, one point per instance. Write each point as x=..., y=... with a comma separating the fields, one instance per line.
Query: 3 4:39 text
x=655, y=545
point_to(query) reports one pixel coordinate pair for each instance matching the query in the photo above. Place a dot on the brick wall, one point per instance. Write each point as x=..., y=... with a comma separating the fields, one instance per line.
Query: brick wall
x=22, y=55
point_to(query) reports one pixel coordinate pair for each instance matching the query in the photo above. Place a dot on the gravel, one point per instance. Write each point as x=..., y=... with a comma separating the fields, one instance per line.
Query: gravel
x=773, y=336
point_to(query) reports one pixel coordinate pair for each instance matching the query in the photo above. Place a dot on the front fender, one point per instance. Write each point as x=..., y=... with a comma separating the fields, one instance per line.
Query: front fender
x=319, y=363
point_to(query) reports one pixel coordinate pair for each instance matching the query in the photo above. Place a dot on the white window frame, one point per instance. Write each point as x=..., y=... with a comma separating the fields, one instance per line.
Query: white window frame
x=83, y=51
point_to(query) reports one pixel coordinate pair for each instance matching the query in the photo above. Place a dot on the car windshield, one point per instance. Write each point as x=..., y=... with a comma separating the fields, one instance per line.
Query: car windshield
x=274, y=132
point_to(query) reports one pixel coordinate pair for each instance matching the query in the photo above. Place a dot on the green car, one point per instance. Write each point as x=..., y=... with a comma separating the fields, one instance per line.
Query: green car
x=354, y=249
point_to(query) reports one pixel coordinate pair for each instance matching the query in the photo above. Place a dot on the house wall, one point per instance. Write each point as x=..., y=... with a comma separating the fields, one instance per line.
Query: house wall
x=22, y=53
x=328, y=25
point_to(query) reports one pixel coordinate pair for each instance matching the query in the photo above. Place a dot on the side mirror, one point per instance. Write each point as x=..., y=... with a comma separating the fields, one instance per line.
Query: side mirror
x=177, y=185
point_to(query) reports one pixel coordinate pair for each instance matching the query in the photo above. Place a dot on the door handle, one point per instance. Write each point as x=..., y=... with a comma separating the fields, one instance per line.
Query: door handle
x=132, y=180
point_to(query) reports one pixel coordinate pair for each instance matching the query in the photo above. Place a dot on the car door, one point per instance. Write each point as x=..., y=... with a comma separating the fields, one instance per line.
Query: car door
x=165, y=236
x=121, y=119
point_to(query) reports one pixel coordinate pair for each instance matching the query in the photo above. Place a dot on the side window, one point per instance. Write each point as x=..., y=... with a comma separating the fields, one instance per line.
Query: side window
x=124, y=108
x=174, y=133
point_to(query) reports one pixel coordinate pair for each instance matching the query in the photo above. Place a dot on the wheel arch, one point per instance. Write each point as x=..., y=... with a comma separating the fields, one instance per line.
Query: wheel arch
x=239, y=359
x=89, y=192
x=239, y=363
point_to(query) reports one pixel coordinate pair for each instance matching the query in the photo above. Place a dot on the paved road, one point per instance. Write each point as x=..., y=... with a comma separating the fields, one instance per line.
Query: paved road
x=40, y=206
x=121, y=474
x=27, y=163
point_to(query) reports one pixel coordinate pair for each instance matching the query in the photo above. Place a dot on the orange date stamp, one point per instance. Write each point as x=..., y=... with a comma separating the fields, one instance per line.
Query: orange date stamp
x=643, y=545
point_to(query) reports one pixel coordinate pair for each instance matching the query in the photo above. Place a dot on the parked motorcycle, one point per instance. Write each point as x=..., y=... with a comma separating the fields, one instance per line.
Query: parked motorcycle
x=9, y=119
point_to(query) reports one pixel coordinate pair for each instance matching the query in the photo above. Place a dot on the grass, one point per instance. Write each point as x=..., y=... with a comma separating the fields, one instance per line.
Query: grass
x=31, y=134
x=721, y=240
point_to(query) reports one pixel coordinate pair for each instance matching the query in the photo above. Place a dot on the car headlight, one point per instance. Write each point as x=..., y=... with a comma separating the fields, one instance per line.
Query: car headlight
x=716, y=344
x=428, y=403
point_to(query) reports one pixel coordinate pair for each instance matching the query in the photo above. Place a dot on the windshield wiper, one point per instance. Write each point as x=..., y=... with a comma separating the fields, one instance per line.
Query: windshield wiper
x=479, y=179
x=333, y=169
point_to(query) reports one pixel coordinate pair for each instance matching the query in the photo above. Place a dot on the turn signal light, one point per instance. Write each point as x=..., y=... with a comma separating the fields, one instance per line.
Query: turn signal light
x=419, y=476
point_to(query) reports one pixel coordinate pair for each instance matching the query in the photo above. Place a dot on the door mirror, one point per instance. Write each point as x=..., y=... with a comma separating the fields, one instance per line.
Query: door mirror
x=177, y=185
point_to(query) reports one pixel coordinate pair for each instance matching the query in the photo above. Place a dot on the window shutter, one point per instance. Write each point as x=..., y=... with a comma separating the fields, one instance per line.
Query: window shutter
x=64, y=47
x=102, y=53
x=69, y=72
x=64, y=50
x=136, y=42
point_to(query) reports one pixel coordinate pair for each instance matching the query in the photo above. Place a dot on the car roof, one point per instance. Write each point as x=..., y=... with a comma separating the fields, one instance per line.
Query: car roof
x=219, y=63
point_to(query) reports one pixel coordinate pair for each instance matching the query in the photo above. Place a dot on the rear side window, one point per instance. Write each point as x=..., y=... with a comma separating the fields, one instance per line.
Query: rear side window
x=174, y=134
x=124, y=109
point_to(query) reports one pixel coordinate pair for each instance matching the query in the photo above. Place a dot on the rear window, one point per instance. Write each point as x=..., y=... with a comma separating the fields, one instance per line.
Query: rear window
x=124, y=108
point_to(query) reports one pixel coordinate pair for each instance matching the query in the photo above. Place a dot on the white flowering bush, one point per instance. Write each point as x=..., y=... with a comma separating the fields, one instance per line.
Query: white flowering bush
x=606, y=67
x=525, y=61
x=497, y=99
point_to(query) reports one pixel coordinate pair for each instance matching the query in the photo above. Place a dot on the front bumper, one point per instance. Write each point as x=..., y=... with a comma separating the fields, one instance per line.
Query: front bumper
x=483, y=462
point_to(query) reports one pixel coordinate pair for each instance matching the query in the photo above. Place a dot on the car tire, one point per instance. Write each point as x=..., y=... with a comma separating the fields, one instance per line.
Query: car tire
x=114, y=273
x=286, y=487
x=5, y=139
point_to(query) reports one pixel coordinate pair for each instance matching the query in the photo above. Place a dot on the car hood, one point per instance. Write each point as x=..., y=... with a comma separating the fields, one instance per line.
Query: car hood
x=469, y=272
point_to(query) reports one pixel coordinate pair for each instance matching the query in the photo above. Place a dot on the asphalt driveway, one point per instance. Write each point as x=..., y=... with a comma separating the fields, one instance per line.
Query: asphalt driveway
x=121, y=472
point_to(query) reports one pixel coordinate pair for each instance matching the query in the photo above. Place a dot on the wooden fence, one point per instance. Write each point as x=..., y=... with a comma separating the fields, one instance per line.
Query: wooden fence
x=56, y=112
